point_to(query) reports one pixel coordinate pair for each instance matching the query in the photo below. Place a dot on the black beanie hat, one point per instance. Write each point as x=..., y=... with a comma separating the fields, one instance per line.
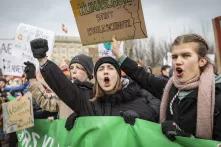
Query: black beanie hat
x=109, y=60
x=86, y=62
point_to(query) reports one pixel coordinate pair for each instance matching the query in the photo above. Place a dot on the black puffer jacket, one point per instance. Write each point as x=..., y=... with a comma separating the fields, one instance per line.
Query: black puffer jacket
x=152, y=101
x=184, y=110
x=77, y=97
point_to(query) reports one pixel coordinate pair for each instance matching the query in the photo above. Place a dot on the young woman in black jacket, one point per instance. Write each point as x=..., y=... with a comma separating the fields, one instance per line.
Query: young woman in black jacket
x=109, y=97
x=191, y=101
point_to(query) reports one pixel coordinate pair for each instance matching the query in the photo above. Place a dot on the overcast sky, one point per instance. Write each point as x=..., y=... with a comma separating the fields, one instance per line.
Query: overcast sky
x=164, y=18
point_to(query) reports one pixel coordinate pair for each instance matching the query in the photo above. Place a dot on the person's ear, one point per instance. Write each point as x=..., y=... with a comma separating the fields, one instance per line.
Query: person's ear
x=202, y=62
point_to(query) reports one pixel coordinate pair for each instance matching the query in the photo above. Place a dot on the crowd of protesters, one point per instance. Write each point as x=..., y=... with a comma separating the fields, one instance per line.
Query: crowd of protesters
x=185, y=99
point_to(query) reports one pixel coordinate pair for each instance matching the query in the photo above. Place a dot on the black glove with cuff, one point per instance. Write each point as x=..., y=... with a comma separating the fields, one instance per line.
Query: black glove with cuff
x=170, y=129
x=70, y=121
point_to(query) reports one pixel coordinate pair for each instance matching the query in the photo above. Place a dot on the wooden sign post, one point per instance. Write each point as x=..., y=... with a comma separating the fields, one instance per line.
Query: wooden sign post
x=217, y=32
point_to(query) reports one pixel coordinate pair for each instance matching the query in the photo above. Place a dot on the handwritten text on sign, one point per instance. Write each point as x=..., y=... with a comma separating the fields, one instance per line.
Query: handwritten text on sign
x=18, y=114
x=122, y=18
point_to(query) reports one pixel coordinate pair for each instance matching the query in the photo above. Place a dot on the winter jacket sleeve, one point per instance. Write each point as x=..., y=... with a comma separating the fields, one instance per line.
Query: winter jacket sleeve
x=42, y=98
x=146, y=80
x=67, y=91
x=153, y=102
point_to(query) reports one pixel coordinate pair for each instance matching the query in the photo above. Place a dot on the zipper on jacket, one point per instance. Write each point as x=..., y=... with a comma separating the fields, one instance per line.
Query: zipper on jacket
x=172, y=101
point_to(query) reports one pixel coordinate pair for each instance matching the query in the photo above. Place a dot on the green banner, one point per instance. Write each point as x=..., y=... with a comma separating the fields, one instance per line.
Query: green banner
x=102, y=132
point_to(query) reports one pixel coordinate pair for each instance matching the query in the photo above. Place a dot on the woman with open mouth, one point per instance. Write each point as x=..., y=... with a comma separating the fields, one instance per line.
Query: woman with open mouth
x=191, y=100
x=109, y=90
x=110, y=98
x=191, y=103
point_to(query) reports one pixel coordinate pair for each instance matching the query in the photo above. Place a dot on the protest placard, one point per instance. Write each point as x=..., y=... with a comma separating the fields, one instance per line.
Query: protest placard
x=18, y=114
x=15, y=52
x=6, y=46
x=217, y=32
x=98, y=21
x=8, y=62
x=12, y=65
x=24, y=34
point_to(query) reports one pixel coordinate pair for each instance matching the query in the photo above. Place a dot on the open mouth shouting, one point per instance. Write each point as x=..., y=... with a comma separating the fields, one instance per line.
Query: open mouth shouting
x=179, y=72
x=106, y=81
x=74, y=78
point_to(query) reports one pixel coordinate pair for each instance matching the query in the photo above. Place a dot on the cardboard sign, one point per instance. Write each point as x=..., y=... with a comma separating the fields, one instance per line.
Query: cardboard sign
x=8, y=62
x=18, y=114
x=98, y=20
x=217, y=32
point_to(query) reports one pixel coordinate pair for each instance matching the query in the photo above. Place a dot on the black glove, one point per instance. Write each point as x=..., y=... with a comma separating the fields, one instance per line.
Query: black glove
x=129, y=116
x=170, y=129
x=70, y=121
x=30, y=70
x=39, y=47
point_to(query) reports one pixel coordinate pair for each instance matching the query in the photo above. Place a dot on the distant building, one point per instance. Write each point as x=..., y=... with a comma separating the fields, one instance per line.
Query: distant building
x=66, y=47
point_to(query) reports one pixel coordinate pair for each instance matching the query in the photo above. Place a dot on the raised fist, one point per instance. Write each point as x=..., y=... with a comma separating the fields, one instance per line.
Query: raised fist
x=39, y=47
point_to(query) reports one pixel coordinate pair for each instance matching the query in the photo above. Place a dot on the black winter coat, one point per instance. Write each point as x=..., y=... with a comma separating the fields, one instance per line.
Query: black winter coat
x=184, y=110
x=77, y=97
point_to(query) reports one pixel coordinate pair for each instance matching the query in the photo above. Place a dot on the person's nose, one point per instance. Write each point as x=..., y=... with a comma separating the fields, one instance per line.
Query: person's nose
x=73, y=70
x=105, y=71
x=179, y=60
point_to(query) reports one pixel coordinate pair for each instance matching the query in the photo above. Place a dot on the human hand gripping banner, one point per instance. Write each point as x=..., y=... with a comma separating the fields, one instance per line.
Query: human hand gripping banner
x=108, y=131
